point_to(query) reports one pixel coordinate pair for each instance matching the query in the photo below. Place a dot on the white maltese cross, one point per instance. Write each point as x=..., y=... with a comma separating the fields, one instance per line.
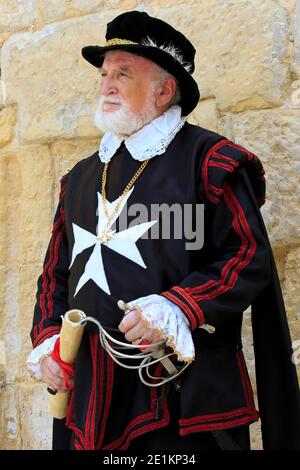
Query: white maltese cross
x=122, y=242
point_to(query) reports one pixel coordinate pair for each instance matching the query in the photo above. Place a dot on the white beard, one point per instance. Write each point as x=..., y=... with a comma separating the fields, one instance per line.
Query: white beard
x=123, y=122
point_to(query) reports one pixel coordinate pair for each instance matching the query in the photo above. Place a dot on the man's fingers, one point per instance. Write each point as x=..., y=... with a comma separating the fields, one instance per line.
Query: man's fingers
x=57, y=383
x=134, y=328
x=56, y=369
x=53, y=381
x=49, y=364
x=129, y=321
x=52, y=374
x=136, y=341
x=136, y=332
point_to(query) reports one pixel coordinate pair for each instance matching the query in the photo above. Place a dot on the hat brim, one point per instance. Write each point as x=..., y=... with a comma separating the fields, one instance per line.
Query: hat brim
x=190, y=94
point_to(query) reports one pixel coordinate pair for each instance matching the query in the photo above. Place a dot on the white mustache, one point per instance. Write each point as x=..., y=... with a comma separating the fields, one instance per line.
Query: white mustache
x=113, y=100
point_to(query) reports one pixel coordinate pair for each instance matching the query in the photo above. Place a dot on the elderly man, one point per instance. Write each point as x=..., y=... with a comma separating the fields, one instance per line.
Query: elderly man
x=190, y=296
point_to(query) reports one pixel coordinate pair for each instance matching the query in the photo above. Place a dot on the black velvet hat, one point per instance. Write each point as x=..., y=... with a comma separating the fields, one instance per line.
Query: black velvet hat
x=154, y=39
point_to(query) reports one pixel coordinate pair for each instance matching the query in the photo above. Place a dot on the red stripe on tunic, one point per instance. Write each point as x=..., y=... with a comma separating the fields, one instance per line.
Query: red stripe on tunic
x=52, y=255
x=108, y=396
x=236, y=263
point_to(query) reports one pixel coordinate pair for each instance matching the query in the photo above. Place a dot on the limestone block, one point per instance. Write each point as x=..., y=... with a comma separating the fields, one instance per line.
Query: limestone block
x=248, y=347
x=81, y=7
x=289, y=5
x=34, y=416
x=3, y=37
x=296, y=35
x=280, y=254
x=273, y=135
x=225, y=126
x=292, y=301
x=1, y=92
x=292, y=288
x=28, y=276
x=2, y=357
x=9, y=419
x=2, y=333
x=241, y=48
x=11, y=322
x=9, y=202
x=52, y=10
x=205, y=115
x=19, y=284
x=241, y=72
x=36, y=212
x=3, y=210
x=55, y=10
x=67, y=153
x=26, y=212
x=7, y=124
x=17, y=14
x=55, y=88
x=255, y=435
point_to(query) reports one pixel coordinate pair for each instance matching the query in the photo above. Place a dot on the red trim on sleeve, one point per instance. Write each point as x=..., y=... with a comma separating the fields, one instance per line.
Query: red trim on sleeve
x=230, y=271
x=48, y=278
x=50, y=300
x=229, y=168
x=205, y=167
x=191, y=317
x=46, y=333
x=199, y=313
x=49, y=267
x=229, y=164
x=244, y=255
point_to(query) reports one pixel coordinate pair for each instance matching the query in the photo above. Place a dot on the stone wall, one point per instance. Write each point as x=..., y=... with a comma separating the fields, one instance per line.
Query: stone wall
x=248, y=70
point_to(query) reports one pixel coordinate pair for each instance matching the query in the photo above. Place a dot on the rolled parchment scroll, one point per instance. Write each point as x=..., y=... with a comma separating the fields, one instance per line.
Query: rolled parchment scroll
x=70, y=339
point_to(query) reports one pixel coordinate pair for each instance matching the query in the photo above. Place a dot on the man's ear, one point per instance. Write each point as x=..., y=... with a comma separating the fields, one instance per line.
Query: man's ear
x=166, y=92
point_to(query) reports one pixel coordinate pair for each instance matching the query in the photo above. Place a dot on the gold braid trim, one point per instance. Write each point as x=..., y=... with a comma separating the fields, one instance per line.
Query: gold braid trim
x=119, y=42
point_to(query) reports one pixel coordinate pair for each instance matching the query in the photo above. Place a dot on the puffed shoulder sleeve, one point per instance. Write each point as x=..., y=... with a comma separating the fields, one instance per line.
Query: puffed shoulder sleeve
x=232, y=186
x=52, y=284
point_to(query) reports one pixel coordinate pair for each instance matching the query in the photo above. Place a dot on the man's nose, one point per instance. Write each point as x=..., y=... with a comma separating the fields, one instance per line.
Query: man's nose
x=107, y=86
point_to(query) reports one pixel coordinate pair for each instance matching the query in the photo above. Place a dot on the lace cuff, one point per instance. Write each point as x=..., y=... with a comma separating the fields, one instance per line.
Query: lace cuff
x=34, y=359
x=166, y=317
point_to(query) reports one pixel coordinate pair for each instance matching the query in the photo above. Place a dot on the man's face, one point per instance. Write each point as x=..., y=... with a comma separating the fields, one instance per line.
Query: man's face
x=128, y=93
x=126, y=77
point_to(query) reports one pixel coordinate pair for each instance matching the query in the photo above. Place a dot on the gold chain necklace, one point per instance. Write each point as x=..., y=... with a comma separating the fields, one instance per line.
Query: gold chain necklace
x=107, y=233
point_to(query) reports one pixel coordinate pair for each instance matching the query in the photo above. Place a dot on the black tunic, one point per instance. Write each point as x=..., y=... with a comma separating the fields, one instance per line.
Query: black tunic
x=215, y=284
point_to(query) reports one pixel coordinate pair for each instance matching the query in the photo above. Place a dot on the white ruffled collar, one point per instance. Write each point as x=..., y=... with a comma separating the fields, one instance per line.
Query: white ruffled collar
x=153, y=139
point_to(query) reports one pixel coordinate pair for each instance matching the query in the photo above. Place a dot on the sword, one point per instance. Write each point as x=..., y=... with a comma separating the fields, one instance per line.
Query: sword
x=158, y=354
